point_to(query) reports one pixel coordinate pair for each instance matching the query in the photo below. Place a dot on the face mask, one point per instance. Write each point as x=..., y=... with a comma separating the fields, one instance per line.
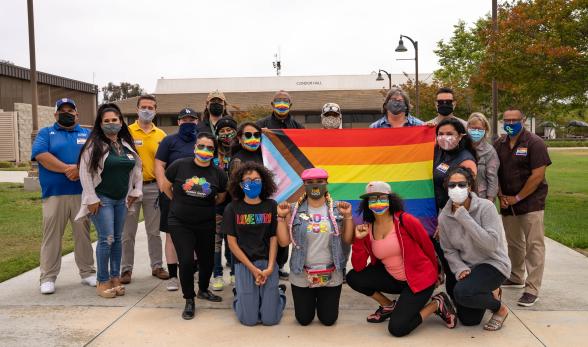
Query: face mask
x=513, y=129
x=66, y=119
x=251, y=188
x=458, y=195
x=226, y=139
x=281, y=108
x=146, y=115
x=216, y=109
x=316, y=191
x=111, y=128
x=396, y=107
x=476, y=134
x=204, y=155
x=187, y=131
x=331, y=122
x=251, y=144
x=379, y=207
x=447, y=142
x=445, y=109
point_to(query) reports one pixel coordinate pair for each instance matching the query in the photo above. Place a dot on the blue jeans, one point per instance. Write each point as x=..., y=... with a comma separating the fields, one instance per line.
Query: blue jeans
x=109, y=223
x=218, y=265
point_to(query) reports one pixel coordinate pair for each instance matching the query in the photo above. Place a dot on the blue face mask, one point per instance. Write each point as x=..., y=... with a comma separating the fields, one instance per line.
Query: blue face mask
x=251, y=188
x=476, y=134
x=187, y=131
x=513, y=129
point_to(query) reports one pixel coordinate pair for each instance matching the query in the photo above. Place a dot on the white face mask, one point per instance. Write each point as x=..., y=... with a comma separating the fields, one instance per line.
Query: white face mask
x=146, y=115
x=458, y=195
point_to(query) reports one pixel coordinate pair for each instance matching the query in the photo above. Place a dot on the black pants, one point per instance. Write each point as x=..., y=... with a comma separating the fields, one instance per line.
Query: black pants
x=282, y=256
x=406, y=315
x=323, y=300
x=473, y=294
x=187, y=240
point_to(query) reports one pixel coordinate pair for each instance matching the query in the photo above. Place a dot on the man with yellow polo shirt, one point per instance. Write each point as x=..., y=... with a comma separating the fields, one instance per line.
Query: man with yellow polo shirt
x=147, y=138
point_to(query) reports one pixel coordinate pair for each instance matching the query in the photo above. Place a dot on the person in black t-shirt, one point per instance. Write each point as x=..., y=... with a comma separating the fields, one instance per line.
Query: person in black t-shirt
x=195, y=186
x=250, y=221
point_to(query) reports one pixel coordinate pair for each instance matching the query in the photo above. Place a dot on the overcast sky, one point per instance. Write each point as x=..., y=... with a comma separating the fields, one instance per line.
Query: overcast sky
x=140, y=41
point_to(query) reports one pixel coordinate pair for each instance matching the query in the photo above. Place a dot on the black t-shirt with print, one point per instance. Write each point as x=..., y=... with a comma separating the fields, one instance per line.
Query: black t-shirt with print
x=252, y=225
x=194, y=190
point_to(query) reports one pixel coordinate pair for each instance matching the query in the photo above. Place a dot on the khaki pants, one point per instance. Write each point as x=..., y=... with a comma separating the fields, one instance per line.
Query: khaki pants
x=57, y=212
x=525, y=236
x=151, y=215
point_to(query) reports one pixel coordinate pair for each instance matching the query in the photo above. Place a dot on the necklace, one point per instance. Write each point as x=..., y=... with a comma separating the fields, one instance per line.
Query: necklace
x=117, y=147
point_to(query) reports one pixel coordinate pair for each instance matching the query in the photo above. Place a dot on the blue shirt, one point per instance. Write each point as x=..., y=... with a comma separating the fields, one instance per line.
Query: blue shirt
x=173, y=147
x=411, y=121
x=65, y=145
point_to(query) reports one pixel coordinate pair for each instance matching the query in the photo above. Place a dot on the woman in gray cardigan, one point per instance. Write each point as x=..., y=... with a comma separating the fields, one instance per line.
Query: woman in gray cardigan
x=488, y=163
x=473, y=241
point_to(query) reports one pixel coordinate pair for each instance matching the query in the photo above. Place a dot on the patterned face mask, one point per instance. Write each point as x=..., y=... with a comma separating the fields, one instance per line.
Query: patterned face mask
x=281, y=108
x=204, y=154
x=330, y=122
x=379, y=207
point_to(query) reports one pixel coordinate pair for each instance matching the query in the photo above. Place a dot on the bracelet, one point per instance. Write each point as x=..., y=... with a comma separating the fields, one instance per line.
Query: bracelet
x=280, y=218
x=518, y=198
x=347, y=218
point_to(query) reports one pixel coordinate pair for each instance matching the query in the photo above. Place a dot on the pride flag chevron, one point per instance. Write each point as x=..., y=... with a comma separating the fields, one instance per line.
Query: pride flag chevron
x=403, y=157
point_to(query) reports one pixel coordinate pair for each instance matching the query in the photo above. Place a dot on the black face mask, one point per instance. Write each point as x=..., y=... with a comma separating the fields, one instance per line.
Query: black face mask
x=445, y=109
x=66, y=119
x=216, y=109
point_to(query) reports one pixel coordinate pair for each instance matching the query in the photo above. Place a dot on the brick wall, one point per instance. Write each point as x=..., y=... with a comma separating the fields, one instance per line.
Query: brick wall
x=25, y=125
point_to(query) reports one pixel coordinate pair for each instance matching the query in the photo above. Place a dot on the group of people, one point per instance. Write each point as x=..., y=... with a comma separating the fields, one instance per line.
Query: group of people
x=207, y=184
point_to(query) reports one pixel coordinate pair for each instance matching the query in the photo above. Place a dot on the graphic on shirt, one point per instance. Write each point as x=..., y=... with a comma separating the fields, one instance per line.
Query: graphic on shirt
x=318, y=224
x=443, y=167
x=197, y=187
x=521, y=151
x=254, y=218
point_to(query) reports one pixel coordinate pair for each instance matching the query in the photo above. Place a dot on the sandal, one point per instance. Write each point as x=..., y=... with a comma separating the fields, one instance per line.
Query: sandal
x=495, y=323
x=117, y=286
x=382, y=313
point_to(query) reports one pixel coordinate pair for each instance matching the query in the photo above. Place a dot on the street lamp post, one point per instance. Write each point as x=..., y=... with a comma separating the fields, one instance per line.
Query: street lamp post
x=402, y=48
x=380, y=78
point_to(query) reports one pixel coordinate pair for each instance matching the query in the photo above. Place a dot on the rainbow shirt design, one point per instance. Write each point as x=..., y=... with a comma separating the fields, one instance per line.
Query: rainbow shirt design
x=197, y=187
x=253, y=218
x=318, y=224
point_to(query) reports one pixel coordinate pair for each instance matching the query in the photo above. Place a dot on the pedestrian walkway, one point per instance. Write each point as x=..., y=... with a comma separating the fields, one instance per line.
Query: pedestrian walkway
x=148, y=315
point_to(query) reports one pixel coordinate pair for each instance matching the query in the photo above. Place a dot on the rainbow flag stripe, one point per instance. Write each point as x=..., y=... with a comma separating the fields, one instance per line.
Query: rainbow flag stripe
x=353, y=157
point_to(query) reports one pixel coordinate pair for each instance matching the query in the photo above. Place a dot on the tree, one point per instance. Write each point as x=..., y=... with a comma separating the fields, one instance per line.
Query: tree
x=114, y=92
x=254, y=113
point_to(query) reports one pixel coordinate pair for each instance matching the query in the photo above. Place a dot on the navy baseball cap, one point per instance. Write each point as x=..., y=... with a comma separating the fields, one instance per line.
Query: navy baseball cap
x=65, y=101
x=188, y=112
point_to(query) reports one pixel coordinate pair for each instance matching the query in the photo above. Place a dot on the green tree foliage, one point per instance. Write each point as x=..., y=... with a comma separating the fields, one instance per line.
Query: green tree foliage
x=114, y=92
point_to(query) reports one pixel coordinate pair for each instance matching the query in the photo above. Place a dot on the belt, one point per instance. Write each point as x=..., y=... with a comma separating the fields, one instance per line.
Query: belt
x=149, y=182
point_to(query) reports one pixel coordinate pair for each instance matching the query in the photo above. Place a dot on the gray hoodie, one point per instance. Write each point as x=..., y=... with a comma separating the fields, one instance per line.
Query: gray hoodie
x=473, y=237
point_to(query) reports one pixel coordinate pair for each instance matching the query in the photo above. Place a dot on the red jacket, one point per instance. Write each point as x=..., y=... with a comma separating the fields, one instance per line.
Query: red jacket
x=420, y=260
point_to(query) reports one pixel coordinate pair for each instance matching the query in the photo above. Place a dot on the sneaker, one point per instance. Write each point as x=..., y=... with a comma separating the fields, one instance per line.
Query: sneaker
x=218, y=284
x=189, y=309
x=125, y=278
x=282, y=287
x=527, y=300
x=510, y=284
x=283, y=274
x=232, y=280
x=207, y=295
x=445, y=310
x=160, y=273
x=381, y=314
x=90, y=280
x=172, y=284
x=48, y=287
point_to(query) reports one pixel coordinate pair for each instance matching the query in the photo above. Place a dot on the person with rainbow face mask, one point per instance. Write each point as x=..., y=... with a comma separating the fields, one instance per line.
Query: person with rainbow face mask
x=392, y=253
x=280, y=117
x=195, y=186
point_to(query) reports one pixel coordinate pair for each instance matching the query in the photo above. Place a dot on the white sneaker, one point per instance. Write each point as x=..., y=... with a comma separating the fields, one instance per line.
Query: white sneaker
x=218, y=284
x=172, y=284
x=90, y=280
x=48, y=287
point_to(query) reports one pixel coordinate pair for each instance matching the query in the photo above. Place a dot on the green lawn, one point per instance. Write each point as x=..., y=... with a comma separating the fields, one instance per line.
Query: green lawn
x=567, y=202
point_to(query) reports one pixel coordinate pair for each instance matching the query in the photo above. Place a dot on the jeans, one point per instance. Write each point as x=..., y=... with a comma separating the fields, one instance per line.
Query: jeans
x=109, y=222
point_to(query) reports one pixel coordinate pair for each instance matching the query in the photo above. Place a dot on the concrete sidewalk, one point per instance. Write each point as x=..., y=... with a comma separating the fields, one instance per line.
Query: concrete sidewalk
x=13, y=176
x=149, y=315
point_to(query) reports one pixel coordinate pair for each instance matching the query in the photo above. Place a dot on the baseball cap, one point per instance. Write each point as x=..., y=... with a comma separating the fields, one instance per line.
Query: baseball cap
x=216, y=94
x=224, y=122
x=376, y=188
x=331, y=107
x=314, y=173
x=187, y=112
x=65, y=101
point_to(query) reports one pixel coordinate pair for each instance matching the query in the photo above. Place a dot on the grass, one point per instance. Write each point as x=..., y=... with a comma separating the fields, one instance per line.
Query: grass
x=565, y=213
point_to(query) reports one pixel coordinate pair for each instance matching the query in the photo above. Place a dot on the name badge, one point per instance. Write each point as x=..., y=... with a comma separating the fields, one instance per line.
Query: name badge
x=130, y=156
x=443, y=167
x=81, y=140
x=138, y=142
x=521, y=151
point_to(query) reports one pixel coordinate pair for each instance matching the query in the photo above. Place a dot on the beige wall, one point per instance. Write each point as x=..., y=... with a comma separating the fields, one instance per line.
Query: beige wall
x=25, y=126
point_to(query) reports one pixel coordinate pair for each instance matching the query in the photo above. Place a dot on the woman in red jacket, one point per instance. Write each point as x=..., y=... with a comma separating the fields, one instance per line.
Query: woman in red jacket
x=402, y=261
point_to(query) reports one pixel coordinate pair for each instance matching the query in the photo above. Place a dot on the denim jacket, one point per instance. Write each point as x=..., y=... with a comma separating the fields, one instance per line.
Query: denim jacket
x=299, y=227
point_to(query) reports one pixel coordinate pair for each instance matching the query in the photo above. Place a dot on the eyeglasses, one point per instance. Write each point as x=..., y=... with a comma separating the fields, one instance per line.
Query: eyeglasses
x=375, y=198
x=457, y=184
x=249, y=181
x=201, y=147
x=278, y=100
x=444, y=102
x=249, y=134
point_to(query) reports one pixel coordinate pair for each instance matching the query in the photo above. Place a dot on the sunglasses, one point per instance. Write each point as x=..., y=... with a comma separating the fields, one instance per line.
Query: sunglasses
x=451, y=185
x=201, y=147
x=249, y=181
x=249, y=134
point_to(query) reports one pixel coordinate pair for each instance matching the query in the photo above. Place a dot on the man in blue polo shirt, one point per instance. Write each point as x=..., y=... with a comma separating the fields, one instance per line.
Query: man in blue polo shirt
x=57, y=149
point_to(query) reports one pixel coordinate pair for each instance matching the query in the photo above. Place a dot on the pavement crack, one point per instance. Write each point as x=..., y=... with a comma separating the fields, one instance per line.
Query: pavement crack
x=526, y=327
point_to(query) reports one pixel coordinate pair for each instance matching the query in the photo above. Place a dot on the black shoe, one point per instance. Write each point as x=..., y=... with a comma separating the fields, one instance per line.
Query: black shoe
x=234, y=292
x=207, y=295
x=283, y=275
x=189, y=310
x=283, y=288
